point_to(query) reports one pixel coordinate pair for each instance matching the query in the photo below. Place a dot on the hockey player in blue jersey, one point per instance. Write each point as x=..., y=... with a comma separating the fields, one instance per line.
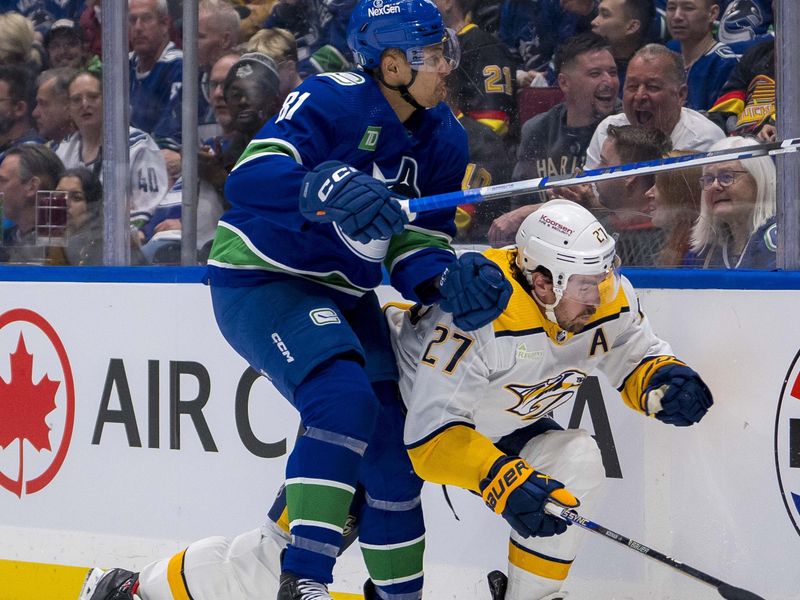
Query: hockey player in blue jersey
x=315, y=215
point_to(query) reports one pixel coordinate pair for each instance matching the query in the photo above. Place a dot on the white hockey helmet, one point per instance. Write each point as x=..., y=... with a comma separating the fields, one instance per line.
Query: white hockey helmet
x=570, y=242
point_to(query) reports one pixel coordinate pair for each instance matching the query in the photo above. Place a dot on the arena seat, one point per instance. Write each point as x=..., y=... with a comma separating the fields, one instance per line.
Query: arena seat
x=534, y=100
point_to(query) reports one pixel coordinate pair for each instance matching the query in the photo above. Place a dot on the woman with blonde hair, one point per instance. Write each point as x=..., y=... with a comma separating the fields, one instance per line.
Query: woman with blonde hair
x=736, y=227
x=17, y=42
x=674, y=205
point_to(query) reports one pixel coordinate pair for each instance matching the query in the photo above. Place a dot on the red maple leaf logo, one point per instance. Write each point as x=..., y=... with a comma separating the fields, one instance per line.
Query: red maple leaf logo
x=24, y=404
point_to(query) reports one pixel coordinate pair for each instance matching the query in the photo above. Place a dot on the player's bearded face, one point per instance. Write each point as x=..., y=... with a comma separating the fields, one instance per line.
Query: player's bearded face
x=583, y=296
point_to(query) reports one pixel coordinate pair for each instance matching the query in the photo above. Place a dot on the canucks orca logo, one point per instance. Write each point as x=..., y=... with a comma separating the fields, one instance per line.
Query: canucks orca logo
x=404, y=183
x=741, y=21
x=787, y=442
x=538, y=399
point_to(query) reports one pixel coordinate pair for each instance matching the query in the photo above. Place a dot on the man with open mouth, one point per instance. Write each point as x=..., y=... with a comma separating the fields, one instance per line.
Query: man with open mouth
x=653, y=97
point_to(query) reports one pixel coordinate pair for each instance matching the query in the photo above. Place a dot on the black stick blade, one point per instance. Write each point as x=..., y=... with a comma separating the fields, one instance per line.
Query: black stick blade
x=734, y=593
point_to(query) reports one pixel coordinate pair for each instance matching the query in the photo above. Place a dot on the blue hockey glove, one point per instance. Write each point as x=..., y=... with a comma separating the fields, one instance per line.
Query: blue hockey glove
x=475, y=290
x=362, y=206
x=516, y=491
x=677, y=395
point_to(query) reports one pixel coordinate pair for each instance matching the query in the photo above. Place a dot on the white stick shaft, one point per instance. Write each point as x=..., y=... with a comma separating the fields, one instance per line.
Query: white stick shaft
x=516, y=188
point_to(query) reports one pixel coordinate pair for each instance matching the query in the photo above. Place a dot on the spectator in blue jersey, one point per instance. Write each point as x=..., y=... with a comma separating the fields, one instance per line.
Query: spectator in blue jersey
x=16, y=108
x=624, y=25
x=708, y=63
x=156, y=70
x=653, y=97
x=84, y=148
x=736, y=228
x=53, y=123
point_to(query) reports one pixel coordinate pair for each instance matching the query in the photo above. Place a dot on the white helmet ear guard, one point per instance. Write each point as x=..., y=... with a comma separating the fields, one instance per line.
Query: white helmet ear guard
x=573, y=245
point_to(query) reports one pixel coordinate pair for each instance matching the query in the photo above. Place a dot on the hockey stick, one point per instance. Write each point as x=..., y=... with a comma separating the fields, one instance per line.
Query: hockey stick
x=725, y=589
x=507, y=190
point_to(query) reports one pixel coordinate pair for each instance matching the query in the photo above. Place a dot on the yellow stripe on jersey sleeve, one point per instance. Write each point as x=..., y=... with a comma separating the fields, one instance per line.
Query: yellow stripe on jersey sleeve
x=632, y=389
x=459, y=456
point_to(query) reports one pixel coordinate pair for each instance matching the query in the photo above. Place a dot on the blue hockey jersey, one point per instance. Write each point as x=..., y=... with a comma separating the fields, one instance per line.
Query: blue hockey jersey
x=153, y=94
x=343, y=117
x=707, y=74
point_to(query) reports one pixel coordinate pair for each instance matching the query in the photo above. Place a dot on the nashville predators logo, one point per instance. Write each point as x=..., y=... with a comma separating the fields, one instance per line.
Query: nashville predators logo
x=539, y=399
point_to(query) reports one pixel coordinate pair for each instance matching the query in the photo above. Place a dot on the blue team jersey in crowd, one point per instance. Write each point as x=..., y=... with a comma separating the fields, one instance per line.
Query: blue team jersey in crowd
x=342, y=117
x=707, y=74
x=154, y=94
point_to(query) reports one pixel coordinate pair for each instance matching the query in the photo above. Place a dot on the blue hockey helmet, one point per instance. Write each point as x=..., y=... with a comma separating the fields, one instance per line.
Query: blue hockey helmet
x=408, y=25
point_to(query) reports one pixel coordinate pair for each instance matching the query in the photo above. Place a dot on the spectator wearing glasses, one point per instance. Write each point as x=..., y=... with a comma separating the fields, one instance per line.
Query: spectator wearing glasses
x=217, y=35
x=736, y=228
x=84, y=148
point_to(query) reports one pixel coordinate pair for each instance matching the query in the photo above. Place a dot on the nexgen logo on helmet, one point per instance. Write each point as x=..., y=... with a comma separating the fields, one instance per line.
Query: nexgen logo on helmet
x=379, y=9
x=413, y=26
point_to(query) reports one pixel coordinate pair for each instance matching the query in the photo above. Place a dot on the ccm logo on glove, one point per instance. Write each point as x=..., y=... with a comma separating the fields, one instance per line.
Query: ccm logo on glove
x=327, y=186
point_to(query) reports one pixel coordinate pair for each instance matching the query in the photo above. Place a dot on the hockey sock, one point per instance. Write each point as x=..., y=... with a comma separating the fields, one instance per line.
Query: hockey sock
x=338, y=409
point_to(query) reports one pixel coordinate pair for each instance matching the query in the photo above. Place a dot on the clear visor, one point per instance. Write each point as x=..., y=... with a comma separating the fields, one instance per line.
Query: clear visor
x=594, y=290
x=436, y=58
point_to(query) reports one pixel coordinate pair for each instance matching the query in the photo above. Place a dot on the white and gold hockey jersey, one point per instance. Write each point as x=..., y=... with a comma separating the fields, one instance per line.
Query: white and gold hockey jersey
x=465, y=390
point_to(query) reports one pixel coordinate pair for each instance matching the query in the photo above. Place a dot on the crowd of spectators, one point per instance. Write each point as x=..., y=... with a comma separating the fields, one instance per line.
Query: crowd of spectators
x=635, y=79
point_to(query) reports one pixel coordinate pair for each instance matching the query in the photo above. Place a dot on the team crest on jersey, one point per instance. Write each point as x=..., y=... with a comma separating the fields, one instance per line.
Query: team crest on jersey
x=540, y=398
x=787, y=442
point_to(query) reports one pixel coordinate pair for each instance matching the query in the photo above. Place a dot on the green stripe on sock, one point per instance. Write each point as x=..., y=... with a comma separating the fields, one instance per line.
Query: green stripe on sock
x=315, y=502
x=395, y=563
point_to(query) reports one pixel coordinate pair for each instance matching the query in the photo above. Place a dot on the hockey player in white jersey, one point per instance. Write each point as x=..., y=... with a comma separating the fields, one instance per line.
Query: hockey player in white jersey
x=477, y=413
x=478, y=401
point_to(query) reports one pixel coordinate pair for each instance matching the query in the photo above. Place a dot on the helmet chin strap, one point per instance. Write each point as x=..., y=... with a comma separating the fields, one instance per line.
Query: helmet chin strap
x=403, y=89
x=549, y=309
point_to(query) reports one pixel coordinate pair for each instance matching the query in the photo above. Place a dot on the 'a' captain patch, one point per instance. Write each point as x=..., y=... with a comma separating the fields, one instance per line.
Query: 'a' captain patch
x=370, y=140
